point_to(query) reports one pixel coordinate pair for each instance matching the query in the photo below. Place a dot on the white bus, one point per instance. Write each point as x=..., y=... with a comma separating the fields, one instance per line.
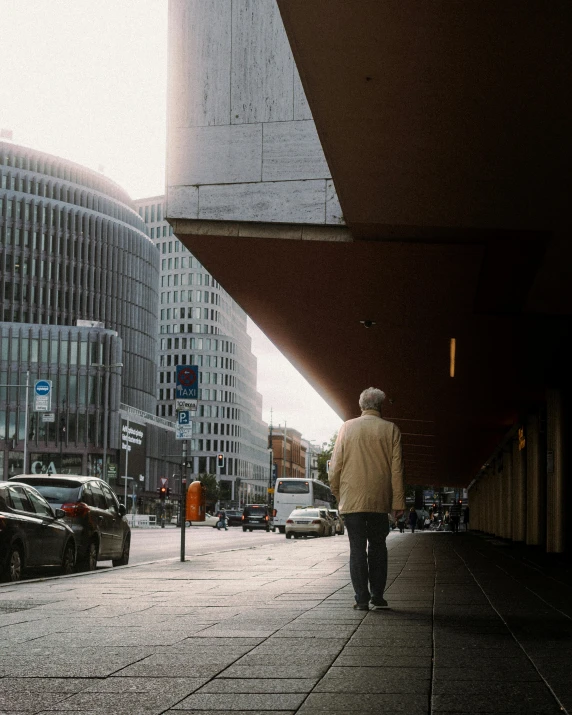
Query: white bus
x=296, y=493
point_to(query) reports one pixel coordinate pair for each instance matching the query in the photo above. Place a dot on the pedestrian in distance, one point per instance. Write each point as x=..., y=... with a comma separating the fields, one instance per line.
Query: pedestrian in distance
x=401, y=523
x=466, y=518
x=412, y=519
x=221, y=523
x=366, y=477
x=455, y=517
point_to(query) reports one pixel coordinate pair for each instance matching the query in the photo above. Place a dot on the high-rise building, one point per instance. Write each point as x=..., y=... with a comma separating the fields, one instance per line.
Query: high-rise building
x=78, y=303
x=200, y=324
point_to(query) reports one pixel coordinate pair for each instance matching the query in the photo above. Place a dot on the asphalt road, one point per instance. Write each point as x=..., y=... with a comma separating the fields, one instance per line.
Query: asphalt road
x=154, y=544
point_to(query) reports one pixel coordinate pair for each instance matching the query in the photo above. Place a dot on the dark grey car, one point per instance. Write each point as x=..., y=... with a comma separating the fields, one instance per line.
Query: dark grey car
x=32, y=534
x=93, y=512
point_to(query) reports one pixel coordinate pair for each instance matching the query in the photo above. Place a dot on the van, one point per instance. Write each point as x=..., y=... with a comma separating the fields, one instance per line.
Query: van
x=256, y=516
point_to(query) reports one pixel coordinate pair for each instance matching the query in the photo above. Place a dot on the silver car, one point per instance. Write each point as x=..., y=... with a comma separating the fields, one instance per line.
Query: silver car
x=308, y=522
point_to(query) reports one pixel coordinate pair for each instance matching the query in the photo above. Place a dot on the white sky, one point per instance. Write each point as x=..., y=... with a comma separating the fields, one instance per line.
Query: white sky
x=86, y=81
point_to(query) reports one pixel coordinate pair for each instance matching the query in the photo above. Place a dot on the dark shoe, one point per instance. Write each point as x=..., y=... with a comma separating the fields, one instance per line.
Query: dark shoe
x=361, y=607
x=379, y=604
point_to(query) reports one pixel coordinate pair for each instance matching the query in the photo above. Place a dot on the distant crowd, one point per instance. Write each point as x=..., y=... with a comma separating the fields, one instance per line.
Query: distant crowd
x=450, y=518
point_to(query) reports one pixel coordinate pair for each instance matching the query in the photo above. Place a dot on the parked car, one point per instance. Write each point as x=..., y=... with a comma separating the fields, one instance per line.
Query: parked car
x=234, y=517
x=256, y=516
x=94, y=513
x=210, y=520
x=339, y=522
x=308, y=522
x=32, y=534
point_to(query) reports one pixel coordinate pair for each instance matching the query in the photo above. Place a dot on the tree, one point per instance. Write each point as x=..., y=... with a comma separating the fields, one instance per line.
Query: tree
x=212, y=486
x=323, y=459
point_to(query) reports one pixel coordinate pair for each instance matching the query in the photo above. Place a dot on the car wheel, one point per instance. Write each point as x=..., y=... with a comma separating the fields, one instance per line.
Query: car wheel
x=14, y=564
x=187, y=523
x=244, y=528
x=89, y=561
x=268, y=530
x=281, y=529
x=68, y=561
x=123, y=560
x=288, y=535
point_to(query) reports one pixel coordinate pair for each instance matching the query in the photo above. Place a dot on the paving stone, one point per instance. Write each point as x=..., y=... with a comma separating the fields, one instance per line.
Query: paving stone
x=14, y=700
x=522, y=699
x=368, y=660
x=378, y=703
x=116, y=684
x=375, y=680
x=120, y=702
x=238, y=701
x=286, y=670
x=46, y=685
x=252, y=685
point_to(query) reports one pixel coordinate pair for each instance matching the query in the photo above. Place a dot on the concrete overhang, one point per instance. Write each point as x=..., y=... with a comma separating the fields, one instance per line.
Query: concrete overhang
x=445, y=126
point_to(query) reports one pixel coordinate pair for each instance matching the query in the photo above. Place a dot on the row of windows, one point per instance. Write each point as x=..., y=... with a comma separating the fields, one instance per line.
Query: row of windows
x=18, y=207
x=200, y=360
x=205, y=378
x=50, y=166
x=161, y=231
x=152, y=213
x=82, y=429
x=189, y=296
x=215, y=344
x=196, y=328
x=177, y=313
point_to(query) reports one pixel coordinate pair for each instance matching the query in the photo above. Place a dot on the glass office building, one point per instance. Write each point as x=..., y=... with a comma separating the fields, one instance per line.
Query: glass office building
x=79, y=283
x=200, y=324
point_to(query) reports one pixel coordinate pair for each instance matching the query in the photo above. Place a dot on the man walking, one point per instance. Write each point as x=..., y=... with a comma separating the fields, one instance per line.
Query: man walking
x=366, y=477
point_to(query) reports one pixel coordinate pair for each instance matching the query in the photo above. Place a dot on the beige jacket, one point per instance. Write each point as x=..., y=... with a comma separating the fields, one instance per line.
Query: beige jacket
x=366, y=470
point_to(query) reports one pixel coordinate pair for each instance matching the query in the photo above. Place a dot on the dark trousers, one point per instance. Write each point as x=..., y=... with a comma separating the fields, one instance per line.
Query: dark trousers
x=367, y=532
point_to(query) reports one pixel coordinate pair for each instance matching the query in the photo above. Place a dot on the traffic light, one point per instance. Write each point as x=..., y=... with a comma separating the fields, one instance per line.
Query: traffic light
x=220, y=460
x=168, y=492
x=162, y=492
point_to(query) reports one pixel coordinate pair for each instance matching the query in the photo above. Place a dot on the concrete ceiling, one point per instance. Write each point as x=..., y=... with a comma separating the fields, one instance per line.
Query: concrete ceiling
x=446, y=129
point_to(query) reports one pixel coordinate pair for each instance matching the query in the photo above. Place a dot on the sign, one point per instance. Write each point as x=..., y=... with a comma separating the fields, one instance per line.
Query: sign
x=48, y=417
x=184, y=431
x=182, y=405
x=163, y=481
x=133, y=442
x=183, y=418
x=186, y=387
x=42, y=396
x=270, y=490
x=141, y=477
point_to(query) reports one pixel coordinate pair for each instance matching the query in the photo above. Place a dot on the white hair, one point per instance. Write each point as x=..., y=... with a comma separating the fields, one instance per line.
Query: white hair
x=371, y=399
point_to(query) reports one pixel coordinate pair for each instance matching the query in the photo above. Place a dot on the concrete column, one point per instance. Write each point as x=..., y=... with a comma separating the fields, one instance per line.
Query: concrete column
x=535, y=485
x=518, y=492
x=555, y=487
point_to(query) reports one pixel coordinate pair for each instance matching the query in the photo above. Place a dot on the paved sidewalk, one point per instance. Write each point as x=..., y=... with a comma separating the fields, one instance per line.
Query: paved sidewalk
x=272, y=630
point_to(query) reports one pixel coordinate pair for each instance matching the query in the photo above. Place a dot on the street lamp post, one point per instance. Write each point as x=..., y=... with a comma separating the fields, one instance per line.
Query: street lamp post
x=106, y=370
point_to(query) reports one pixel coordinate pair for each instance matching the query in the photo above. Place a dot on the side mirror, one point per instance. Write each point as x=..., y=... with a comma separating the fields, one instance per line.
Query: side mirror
x=122, y=510
x=60, y=513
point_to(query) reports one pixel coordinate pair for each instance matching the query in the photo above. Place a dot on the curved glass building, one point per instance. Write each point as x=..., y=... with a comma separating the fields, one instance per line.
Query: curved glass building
x=79, y=283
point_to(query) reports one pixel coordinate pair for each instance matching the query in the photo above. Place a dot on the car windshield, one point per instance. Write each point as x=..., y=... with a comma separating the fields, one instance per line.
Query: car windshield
x=255, y=510
x=310, y=513
x=57, y=492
